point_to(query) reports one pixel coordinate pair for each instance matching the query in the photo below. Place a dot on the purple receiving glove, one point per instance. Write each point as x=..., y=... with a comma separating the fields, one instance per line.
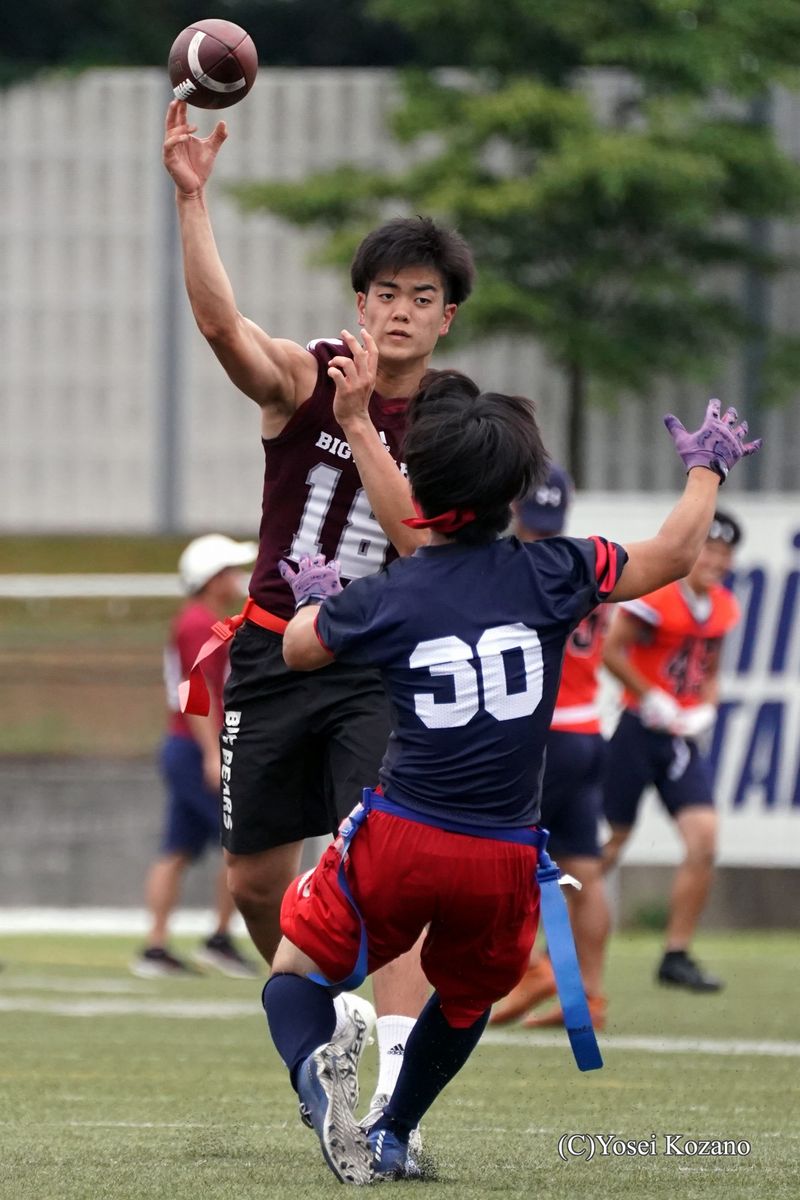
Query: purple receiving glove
x=717, y=444
x=313, y=580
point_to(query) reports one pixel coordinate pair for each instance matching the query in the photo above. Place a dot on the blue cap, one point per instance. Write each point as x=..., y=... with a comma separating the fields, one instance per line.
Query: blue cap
x=544, y=510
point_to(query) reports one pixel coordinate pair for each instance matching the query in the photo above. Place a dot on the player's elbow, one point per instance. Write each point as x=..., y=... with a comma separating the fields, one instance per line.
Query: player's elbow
x=302, y=649
x=221, y=333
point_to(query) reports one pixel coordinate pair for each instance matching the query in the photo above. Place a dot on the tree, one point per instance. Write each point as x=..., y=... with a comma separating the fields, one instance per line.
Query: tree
x=76, y=34
x=603, y=161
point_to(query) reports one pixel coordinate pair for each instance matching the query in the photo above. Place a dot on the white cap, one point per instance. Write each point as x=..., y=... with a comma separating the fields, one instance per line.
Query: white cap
x=206, y=556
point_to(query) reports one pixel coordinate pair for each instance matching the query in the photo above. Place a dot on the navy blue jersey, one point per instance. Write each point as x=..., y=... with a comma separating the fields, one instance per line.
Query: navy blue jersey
x=470, y=642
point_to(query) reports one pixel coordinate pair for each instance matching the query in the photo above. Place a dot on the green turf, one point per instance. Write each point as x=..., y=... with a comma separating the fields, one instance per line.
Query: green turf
x=135, y=1106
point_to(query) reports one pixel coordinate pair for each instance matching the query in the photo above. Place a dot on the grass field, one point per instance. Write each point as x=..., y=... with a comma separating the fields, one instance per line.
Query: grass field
x=117, y=1087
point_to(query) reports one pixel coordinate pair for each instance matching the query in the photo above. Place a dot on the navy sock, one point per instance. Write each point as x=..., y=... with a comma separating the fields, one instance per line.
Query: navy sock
x=300, y=1015
x=435, y=1052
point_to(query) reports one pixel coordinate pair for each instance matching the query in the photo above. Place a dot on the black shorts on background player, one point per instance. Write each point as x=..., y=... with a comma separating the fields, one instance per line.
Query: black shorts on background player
x=305, y=744
x=572, y=793
x=638, y=758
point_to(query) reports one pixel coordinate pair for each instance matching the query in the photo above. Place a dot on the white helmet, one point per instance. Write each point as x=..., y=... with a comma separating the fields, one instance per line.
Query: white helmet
x=206, y=556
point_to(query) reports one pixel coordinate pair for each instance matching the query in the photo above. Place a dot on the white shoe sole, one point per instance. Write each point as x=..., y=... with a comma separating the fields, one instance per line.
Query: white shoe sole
x=343, y=1141
x=353, y=1041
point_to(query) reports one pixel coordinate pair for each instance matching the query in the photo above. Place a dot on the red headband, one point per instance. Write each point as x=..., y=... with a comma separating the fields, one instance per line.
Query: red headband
x=446, y=522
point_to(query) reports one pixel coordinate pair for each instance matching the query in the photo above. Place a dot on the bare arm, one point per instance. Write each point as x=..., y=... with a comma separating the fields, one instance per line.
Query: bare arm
x=205, y=732
x=302, y=649
x=386, y=487
x=625, y=631
x=672, y=552
x=276, y=373
x=709, y=692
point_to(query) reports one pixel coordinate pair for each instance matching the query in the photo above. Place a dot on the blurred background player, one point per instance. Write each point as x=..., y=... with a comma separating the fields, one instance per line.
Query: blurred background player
x=210, y=570
x=469, y=634
x=665, y=649
x=301, y=747
x=572, y=784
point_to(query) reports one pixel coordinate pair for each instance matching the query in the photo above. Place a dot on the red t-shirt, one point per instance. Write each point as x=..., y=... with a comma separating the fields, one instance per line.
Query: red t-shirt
x=313, y=500
x=577, y=710
x=190, y=628
x=684, y=635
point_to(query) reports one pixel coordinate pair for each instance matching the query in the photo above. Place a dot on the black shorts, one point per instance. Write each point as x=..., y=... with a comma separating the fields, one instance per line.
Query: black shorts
x=297, y=747
x=572, y=793
x=638, y=758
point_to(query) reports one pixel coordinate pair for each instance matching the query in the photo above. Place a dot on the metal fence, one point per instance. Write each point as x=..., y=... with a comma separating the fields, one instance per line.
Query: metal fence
x=116, y=417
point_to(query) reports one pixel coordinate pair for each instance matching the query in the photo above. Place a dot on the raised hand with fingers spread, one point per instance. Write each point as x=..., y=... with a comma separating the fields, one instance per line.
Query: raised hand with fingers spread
x=189, y=159
x=718, y=444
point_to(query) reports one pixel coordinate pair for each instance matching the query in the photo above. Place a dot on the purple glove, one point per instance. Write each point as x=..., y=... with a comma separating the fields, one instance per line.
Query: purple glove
x=717, y=444
x=313, y=580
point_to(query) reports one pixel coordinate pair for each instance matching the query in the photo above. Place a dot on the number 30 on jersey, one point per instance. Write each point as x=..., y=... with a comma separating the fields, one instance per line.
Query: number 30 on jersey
x=451, y=657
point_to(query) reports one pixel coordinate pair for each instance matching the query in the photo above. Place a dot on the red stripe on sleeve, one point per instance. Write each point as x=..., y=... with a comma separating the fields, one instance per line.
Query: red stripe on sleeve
x=612, y=567
x=601, y=558
x=320, y=638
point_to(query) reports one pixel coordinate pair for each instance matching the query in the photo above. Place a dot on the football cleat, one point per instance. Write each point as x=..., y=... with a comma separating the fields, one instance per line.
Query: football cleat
x=221, y=953
x=389, y=1155
x=679, y=970
x=412, y=1166
x=351, y=1042
x=157, y=963
x=325, y=1099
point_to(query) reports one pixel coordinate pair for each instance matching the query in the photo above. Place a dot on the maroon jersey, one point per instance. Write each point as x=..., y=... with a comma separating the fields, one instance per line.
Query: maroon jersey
x=314, y=502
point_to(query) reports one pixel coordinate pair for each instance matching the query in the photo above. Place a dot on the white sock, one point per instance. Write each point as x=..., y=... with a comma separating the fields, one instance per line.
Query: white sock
x=392, y=1036
x=342, y=1017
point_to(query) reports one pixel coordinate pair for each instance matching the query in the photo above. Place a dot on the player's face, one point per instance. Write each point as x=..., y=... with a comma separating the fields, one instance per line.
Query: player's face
x=713, y=564
x=405, y=312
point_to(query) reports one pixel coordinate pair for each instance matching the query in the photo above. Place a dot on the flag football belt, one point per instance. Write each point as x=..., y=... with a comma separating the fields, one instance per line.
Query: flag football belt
x=555, y=918
x=193, y=692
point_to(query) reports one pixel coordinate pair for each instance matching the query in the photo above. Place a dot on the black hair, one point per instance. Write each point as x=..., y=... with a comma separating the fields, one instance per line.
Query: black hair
x=725, y=528
x=415, y=242
x=474, y=450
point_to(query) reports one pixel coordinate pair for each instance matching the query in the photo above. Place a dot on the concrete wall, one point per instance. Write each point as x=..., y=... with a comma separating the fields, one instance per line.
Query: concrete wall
x=116, y=415
x=84, y=832
x=81, y=832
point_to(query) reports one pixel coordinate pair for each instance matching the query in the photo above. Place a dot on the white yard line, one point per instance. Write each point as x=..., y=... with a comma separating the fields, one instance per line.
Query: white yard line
x=183, y=1010
x=52, y=983
x=215, y=1010
x=654, y=1045
x=33, y=587
x=129, y=921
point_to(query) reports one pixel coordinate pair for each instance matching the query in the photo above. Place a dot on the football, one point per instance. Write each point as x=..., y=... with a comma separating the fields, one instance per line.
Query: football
x=212, y=64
